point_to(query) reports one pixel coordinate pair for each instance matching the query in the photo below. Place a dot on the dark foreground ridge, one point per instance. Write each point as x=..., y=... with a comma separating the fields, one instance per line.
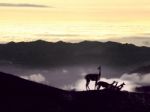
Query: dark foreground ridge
x=19, y=95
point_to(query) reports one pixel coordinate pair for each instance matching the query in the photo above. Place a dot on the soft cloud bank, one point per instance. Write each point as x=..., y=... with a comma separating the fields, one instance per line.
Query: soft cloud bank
x=131, y=80
x=35, y=77
x=80, y=84
x=137, y=78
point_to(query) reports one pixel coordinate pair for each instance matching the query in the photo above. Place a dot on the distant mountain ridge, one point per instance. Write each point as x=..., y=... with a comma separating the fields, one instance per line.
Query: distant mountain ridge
x=42, y=54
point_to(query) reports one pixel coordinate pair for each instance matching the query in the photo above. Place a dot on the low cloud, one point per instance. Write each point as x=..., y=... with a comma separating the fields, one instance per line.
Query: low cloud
x=147, y=43
x=58, y=35
x=64, y=71
x=137, y=78
x=140, y=40
x=23, y=5
x=132, y=81
x=80, y=84
x=35, y=77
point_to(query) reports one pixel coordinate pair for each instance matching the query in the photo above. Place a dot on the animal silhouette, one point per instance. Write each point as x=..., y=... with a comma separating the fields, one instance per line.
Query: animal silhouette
x=105, y=85
x=92, y=77
x=120, y=86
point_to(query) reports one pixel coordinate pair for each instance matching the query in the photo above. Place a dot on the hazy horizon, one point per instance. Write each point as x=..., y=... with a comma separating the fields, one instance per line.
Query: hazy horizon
x=73, y=21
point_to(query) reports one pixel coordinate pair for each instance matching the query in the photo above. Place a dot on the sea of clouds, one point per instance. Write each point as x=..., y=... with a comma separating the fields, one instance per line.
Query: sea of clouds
x=131, y=80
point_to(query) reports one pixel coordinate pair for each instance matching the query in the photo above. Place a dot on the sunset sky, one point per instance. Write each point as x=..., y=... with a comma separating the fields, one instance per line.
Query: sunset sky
x=75, y=20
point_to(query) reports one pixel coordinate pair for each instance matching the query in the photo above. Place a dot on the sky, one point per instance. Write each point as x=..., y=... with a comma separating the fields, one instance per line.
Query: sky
x=123, y=21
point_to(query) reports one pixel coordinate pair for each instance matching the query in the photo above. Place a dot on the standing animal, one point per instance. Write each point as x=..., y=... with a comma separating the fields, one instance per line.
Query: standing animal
x=105, y=85
x=92, y=77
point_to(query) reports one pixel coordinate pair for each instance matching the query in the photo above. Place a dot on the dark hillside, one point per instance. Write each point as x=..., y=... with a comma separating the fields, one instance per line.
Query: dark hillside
x=111, y=101
x=19, y=95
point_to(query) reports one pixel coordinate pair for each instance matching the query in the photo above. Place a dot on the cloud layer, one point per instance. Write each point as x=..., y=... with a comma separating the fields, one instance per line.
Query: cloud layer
x=59, y=35
x=137, y=78
x=80, y=84
x=23, y=5
x=35, y=77
x=131, y=80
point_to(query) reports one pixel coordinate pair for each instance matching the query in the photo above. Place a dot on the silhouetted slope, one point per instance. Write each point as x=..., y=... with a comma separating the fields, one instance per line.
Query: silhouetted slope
x=13, y=85
x=42, y=54
x=144, y=89
x=110, y=101
x=19, y=95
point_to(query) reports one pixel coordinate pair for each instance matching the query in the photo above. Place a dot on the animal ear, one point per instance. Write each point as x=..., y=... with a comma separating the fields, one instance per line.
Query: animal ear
x=99, y=67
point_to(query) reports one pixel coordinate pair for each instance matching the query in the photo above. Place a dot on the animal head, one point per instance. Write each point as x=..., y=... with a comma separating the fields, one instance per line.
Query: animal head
x=99, y=68
x=123, y=84
x=113, y=82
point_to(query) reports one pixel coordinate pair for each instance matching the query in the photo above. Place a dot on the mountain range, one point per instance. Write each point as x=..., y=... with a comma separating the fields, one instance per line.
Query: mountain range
x=41, y=54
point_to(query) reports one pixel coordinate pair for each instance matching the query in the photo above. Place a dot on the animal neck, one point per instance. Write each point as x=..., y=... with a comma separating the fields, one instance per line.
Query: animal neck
x=120, y=85
x=99, y=74
x=112, y=83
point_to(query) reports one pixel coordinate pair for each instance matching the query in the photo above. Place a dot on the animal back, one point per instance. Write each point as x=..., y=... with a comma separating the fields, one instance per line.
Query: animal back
x=92, y=77
x=103, y=84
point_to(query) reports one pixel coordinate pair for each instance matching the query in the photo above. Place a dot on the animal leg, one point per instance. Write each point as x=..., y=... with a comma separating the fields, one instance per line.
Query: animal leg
x=95, y=84
x=98, y=87
x=87, y=84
